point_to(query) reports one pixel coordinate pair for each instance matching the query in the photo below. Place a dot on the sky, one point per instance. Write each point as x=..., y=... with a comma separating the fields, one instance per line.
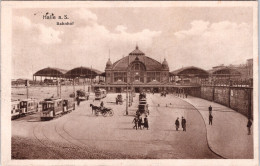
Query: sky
x=185, y=36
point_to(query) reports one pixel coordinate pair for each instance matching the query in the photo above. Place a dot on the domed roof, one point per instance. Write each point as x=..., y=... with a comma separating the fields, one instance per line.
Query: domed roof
x=165, y=64
x=109, y=64
x=150, y=64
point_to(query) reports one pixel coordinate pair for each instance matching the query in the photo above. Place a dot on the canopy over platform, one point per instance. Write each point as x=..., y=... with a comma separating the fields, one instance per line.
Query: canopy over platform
x=50, y=72
x=225, y=72
x=190, y=71
x=83, y=72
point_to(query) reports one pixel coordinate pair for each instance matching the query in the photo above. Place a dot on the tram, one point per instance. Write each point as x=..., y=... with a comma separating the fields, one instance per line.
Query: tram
x=15, y=109
x=28, y=106
x=100, y=94
x=143, y=106
x=82, y=95
x=51, y=108
x=68, y=105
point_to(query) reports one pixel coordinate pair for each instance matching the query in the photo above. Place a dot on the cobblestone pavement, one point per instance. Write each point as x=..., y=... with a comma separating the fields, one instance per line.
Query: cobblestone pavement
x=116, y=134
x=228, y=134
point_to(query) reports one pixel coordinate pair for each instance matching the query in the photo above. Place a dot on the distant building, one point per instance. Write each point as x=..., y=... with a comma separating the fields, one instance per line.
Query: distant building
x=242, y=71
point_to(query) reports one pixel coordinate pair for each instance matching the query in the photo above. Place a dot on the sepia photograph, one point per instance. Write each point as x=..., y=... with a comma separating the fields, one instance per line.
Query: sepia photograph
x=107, y=81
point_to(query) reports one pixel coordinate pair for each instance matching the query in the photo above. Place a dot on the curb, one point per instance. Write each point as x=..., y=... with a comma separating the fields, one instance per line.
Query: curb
x=205, y=128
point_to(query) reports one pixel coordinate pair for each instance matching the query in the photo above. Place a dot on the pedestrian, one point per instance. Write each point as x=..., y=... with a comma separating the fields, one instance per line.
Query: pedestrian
x=101, y=106
x=135, y=121
x=177, y=124
x=210, y=109
x=249, y=124
x=78, y=100
x=146, y=125
x=140, y=121
x=186, y=95
x=210, y=119
x=183, y=123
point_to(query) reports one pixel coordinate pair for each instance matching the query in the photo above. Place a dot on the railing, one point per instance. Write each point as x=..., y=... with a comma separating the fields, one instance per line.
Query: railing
x=229, y=83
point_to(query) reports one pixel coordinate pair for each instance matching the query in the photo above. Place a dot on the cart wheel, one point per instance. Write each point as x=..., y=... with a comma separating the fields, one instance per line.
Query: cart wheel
x=105, y=114
x=111, y=112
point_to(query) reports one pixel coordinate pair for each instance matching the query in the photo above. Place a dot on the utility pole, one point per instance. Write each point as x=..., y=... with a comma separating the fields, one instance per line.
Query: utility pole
x=60, y=90
x=74, y=87
x=27, y=88
x=57, y=87
x=126, y=99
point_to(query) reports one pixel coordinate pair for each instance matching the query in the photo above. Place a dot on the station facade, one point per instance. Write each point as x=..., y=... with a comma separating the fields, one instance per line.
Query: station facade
x=136, y=71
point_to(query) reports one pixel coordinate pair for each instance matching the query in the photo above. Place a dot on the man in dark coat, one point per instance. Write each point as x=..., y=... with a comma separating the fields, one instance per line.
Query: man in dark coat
x=210, y=119
x=78, y=100
x=140, y=121
x=177, y=124
x=249, y=124
x=146, y=125
x=183, y=123
x=210, y=109
x=136, y=122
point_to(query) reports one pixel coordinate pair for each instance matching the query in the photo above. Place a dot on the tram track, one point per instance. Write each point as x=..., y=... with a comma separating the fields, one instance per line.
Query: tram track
x=48, y=148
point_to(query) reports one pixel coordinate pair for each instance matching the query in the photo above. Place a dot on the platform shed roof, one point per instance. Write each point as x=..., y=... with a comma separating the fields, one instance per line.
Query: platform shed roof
x=83, y=72
x=190, y=71
x=50, y=72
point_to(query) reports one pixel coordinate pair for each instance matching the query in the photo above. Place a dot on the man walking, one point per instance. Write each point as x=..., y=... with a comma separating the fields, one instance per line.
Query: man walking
x=210, y=119
x=249, y=124
x=146, y=125
x=78, y=100
x=210, y=109
x=135, y=121
x=177, y=124
x=140, y=121
x=183, y=123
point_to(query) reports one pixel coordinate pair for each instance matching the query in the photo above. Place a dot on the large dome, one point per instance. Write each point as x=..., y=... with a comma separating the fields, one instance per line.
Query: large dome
x=149, y=63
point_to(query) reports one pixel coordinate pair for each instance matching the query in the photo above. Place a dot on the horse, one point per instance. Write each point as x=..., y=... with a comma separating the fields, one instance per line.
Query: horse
x=94, y=108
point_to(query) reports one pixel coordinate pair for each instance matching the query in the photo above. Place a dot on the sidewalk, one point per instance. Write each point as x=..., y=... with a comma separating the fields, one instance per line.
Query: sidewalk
x=228, y=134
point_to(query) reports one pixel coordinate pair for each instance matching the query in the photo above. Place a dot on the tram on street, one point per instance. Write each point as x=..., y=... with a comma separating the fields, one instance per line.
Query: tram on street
x=52, y=108
x=15, y=109
x=83, y=95
x=28, y=106
x=100, y=94
x=143, y=106
x=68, y=105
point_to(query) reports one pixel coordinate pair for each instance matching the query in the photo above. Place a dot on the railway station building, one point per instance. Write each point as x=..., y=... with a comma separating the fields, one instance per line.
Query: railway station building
x=137, y=71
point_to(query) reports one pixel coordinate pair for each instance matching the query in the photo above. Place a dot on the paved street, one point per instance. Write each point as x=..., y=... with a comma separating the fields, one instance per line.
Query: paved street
x=228, y=134
x=116, y=134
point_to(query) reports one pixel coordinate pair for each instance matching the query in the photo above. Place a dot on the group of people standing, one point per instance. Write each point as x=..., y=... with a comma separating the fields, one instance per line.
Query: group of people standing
x=183, y=124
x=139, y=122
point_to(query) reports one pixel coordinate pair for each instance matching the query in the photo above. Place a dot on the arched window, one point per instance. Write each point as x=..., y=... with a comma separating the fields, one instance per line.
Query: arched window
x=137, y=72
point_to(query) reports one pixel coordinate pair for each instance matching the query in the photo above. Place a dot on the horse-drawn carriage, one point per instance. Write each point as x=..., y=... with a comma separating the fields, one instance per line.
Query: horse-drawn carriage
x=119, y=99
x=105, y=111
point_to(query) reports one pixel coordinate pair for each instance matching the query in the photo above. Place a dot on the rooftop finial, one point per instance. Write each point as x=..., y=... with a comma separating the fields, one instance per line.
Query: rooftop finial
x=109, y=54
x=136, y=46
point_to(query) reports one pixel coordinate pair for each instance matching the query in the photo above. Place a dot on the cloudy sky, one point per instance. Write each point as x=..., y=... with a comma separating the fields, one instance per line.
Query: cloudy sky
x=202, y=37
